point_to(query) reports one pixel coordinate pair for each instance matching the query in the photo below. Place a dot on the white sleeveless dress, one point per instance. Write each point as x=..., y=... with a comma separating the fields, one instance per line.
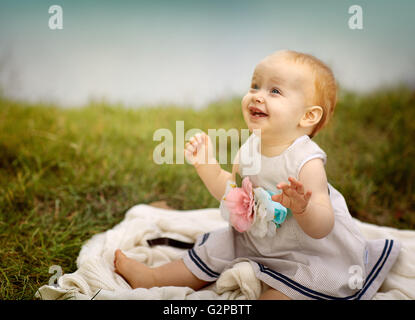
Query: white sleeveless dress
x=342, y=265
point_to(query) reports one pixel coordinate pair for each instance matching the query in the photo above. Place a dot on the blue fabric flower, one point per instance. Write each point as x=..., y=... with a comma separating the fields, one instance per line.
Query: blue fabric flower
x=280, y=212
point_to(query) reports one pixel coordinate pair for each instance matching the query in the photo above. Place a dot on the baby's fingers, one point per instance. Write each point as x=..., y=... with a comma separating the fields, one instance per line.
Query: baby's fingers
x=189, y=156
x=297, y=185
x=199, y=137
x=277, y=197
x=190, y=147
x=193, y=141
x=307, y=196
x=283, y=185
x=199, y=140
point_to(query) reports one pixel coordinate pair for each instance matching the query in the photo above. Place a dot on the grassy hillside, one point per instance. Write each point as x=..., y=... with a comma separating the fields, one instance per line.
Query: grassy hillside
x=67, y=174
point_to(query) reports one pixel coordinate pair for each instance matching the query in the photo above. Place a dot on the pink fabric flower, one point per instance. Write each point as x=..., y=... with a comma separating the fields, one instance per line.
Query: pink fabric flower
x=240, y=202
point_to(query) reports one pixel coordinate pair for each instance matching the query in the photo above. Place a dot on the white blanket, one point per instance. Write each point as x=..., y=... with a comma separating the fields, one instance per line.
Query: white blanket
x=95, y=277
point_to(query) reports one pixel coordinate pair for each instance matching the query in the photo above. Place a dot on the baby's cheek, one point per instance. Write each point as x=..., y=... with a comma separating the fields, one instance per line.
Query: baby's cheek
x=245, y=100
x=275, y=114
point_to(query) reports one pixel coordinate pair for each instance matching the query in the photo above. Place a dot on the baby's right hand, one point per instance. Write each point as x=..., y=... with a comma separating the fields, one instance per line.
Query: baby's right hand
x=199, y=150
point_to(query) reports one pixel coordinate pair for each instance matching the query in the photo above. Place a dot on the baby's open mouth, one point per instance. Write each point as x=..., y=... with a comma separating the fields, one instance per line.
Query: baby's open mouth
x=256, y=112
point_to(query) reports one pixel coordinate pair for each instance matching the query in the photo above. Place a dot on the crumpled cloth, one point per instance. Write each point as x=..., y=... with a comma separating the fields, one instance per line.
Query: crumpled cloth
x=95, y=277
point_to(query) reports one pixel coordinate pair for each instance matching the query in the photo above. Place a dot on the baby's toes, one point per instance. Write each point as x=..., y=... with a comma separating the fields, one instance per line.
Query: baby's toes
x=119, y=256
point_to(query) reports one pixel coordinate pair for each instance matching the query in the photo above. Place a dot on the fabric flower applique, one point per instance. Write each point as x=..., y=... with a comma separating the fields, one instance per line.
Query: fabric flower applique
x=240, y=204
x=269, y=215
x=252, y=209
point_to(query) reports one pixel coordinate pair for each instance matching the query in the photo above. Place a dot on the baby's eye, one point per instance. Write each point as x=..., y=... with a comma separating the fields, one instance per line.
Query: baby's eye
x=254, y=86
x=275, y=91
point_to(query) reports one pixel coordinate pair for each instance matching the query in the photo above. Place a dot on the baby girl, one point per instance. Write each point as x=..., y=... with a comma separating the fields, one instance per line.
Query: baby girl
x=313, y=250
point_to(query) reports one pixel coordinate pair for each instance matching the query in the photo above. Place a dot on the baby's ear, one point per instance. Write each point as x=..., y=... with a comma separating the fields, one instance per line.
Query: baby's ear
x=311, y=117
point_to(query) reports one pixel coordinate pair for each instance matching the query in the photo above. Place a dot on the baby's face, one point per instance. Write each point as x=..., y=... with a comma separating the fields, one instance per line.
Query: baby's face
x=278, y=96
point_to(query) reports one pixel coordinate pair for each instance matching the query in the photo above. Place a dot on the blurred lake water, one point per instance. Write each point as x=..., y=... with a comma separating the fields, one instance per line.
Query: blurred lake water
x=192, y=52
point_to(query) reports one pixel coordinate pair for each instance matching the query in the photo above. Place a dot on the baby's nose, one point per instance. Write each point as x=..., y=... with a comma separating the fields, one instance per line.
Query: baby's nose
x=259, y=99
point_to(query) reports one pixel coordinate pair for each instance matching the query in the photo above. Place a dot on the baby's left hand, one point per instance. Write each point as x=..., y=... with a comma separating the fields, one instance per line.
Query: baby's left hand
x=293, y=196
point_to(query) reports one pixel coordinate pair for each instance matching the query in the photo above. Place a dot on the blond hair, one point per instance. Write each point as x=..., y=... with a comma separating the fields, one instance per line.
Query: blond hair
x=325, y=87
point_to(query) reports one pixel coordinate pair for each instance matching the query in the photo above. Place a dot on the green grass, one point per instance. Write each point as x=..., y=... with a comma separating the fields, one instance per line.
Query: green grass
x=67, y=174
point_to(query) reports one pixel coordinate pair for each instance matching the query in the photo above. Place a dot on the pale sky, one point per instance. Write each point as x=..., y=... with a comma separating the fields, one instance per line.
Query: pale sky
x=190, y=52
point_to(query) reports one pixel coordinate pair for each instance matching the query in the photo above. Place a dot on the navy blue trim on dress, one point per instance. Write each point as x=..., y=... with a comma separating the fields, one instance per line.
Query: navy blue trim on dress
x=318, y=295
x=363, y=290
x=202, y=266
x=205, y=236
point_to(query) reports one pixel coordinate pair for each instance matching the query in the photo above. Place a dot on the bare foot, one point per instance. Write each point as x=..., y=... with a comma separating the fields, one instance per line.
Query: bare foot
x=137, y=274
